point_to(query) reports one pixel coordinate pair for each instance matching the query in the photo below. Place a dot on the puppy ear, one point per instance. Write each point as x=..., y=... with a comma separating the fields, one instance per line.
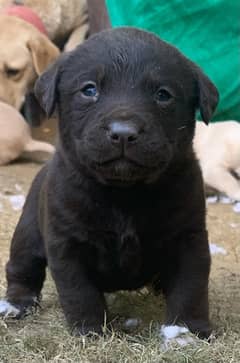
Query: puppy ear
x=33, y=112
x=208, y=96
x=45, y=88
x=43, y=52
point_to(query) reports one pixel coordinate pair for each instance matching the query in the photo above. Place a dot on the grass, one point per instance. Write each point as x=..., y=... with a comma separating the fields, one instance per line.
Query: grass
x=44, y=337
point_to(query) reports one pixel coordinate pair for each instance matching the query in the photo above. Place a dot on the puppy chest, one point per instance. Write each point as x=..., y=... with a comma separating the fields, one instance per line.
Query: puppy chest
x=118, y=261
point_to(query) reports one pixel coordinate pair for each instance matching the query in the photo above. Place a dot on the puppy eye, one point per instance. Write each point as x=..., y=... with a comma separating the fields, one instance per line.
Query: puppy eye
x=12, y=72
x=89, y=90
x=163, y=95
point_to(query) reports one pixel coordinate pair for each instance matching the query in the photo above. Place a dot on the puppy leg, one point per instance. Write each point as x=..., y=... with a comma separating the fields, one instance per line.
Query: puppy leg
x=26, y=267
x=222, y=180
x=25, y=270
x=187, y=288
x=83, y=304
x=35, y=145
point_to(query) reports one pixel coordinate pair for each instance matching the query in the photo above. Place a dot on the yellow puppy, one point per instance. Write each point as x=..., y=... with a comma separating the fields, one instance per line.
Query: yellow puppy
x=217, y=147
x=24, y=54
x=15, y=136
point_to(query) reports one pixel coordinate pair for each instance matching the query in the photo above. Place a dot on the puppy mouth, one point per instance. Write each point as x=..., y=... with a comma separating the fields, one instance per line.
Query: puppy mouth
x=123, y=171
x=122, y=161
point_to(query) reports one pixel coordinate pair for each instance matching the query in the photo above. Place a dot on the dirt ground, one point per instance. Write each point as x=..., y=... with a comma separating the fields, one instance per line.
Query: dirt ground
x=44, y=337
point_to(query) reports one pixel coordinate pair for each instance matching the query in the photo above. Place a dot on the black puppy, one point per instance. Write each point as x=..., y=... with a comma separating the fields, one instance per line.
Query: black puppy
x=121, y=204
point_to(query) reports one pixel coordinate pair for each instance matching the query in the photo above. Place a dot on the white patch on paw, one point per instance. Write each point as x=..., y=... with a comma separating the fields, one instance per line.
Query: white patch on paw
x=175, y=334
x=173, y=331
x=215, y=250
x=7, y=309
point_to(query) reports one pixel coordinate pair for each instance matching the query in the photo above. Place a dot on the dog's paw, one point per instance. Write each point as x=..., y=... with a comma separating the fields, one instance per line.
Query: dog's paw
x=176, y=334
x=9, y=310
x=17, y=310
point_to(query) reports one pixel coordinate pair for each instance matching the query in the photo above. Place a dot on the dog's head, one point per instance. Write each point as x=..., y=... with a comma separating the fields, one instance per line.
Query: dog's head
x=126, y=102
x=24, y=54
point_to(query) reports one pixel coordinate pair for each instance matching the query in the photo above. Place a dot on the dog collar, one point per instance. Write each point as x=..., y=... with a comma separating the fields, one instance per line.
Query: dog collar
x=27, y=14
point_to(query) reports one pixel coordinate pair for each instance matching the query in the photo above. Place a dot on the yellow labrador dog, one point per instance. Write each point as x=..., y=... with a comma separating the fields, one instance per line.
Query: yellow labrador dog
x=25, y=53
x=218, y=149
x=28, y=33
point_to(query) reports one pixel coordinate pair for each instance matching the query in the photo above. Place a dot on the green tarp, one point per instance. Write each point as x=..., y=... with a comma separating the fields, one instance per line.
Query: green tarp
x=207, y=31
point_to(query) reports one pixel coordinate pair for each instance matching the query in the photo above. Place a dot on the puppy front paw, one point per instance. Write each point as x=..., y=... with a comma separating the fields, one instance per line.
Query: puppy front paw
x=183, y=335
x=201, y=328
x=176, y=334
x=18, y=309
x=8, y=310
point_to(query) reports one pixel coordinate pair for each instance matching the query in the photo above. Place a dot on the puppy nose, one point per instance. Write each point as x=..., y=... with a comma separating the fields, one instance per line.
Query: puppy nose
x=122, y=132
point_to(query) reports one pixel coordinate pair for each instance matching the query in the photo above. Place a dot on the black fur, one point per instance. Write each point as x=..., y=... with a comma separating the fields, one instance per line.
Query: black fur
x=121, y=204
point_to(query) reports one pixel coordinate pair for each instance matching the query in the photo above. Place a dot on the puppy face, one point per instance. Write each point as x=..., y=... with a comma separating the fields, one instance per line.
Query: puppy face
x=126, y=102
x=24, y=54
